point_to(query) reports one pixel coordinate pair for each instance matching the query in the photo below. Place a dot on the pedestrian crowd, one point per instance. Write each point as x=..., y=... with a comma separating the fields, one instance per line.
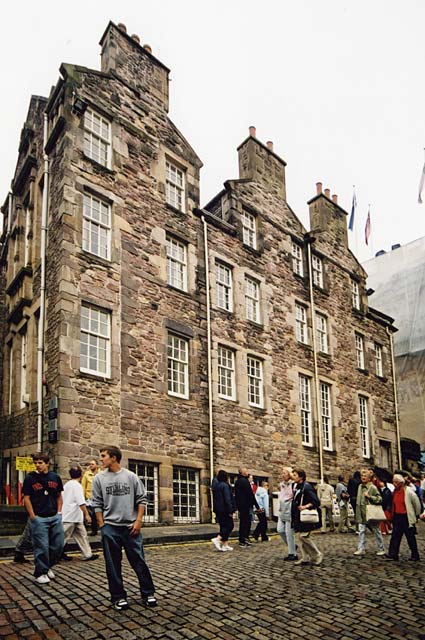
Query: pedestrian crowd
x=375, y=505
x=113, y=500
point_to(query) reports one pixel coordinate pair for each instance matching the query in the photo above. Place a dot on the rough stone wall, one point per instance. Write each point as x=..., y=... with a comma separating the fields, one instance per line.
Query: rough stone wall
x=265, y=439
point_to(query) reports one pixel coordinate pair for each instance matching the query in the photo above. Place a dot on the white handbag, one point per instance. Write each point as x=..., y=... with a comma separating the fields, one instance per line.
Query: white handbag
x=309, y=515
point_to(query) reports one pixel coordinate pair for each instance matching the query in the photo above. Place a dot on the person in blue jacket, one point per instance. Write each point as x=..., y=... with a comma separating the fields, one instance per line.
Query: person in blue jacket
x=223, y=507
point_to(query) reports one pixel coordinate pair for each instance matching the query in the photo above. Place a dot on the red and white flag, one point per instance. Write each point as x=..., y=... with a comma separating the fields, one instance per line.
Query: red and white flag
x=367, y=228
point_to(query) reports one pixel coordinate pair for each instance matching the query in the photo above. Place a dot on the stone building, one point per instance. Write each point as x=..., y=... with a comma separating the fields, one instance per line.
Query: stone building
x=193, y=338
x=398, y=280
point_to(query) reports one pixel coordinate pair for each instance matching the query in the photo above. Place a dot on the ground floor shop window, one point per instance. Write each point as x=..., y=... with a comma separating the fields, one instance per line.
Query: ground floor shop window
x=148, y=474
x=185, y=494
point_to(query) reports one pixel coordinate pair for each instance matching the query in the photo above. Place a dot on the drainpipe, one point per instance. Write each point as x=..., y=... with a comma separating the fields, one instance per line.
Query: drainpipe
x=40, y=345
x=397, y=423
x=210, y=401
x=309, y=241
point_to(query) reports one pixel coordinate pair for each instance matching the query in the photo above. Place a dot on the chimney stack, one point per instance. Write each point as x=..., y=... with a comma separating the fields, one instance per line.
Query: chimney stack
x=318, y=188
x=269, y=144
x=335, y=198
x=253, y=132
x=328, y=193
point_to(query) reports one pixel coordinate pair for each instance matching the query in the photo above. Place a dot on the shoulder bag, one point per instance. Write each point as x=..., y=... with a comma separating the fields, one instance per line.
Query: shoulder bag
x=374, y=514
x=308, y=515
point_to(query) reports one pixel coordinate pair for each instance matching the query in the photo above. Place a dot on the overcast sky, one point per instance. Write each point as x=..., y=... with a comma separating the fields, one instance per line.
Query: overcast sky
x=337, y=85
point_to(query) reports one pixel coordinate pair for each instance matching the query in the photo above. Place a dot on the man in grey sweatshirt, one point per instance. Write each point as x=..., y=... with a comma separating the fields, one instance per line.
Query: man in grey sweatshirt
x=119, y=501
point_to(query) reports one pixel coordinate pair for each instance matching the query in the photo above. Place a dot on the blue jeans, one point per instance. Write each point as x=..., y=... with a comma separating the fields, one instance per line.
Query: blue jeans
x=114, y=538
x=48, y=542
x=362, y=537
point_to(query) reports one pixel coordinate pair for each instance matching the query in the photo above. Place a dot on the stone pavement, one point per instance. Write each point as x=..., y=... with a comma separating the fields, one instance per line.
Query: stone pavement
x=205, y=595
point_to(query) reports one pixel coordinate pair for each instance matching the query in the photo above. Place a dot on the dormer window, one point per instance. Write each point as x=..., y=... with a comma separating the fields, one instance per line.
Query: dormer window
x=97, y=137
x=317, y=270
x=355, y=294
x=297, y=259
x=249, y=229
x=174, y=186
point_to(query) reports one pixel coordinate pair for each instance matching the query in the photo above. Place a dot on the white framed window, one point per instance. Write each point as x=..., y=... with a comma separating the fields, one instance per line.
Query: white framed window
x=95, y=340
x=355, y=294
x=252, y=300
x=359, y=351
x=224, y=285
x=24, y=357
x=317, y=271
x=185, y=494
x=326, y=415
x=97, y=226
x=174, y=186
x=305, y=409
x=255, y=382
x=322, y=333
x=301, y=323
x=148, y=474
x=97, y=137
x=249, y=229
x=178, y=366
x=364, y=426
x=226, y=373
x=378, y=360
x=297, y=259
x=176, y=263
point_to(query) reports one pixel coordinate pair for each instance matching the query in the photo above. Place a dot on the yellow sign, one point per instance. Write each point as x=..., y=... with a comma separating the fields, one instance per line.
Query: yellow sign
x=24, y=463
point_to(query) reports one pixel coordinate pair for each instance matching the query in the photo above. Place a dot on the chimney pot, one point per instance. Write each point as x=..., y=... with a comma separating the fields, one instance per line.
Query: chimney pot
x=335, y=198
x=252, y=132
x=122, y=26
x=135, y=37
x=318, y=188
x=148, y=48
x=269, y=144
x=328, y=193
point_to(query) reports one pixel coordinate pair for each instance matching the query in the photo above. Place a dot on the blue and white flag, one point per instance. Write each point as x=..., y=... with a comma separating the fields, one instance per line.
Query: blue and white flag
x=353, y=211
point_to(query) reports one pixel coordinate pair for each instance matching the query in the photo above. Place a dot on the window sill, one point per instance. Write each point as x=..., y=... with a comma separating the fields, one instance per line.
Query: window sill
x=230, y=314
x=94, y=376
x=325, y=354
x=226, y=399
x=255, y=325
x=175, y=209
x=259, y=410
x=254, y=251
x=94, y=259
x=365, y=372
x=306, y=345
x=103, y=168
x=382, y=378
x=358, y=312
x=177, y=290
x=177, y=396
x=330, y=452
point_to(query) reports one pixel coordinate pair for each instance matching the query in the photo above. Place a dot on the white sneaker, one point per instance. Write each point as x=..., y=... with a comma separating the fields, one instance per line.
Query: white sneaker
x=380, y=553
x=216, y=542
x=42, y=579
x=359, y=552
x=50, y=574
x=226, y=547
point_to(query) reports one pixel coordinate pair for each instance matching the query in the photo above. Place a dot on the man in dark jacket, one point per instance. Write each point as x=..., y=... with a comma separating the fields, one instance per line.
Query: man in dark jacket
x=245, y=501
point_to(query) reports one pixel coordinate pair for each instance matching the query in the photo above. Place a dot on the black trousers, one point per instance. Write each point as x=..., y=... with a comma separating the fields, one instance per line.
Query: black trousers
x=400, y=528
x=244, y=525
x=261, y=528
x=226, y=524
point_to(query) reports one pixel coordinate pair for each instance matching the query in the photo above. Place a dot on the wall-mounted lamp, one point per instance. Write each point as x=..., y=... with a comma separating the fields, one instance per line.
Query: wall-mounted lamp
x=369, y=292
x=79, y=106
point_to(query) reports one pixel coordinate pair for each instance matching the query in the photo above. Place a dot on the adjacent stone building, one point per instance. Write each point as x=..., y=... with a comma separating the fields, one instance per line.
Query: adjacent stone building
x=193, y=338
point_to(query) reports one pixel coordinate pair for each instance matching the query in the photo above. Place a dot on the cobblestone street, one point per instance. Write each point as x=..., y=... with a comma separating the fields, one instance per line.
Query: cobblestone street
x=203, y=594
